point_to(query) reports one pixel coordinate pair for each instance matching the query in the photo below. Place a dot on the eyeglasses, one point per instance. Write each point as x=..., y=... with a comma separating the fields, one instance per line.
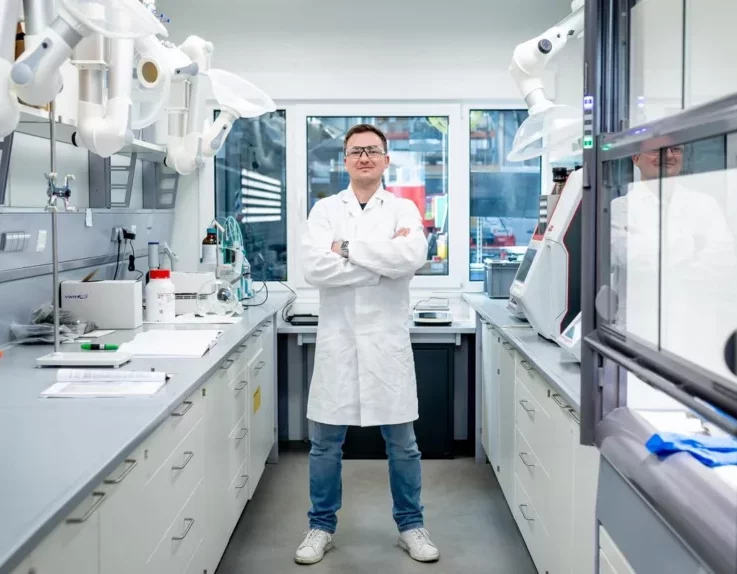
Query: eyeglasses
x=372, y=151
x=675, y=150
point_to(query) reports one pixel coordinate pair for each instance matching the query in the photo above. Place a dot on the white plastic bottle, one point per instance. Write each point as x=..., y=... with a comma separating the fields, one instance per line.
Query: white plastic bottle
x=160, y=297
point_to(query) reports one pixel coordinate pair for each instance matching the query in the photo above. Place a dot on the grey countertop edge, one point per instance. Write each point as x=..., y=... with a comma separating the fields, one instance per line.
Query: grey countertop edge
x=480, y=303
x=287, y=329
x=46, y=523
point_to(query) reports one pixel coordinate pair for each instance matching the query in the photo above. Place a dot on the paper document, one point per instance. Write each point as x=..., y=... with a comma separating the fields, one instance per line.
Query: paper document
x=175, y=344
x=109, y=376
x=103, y=389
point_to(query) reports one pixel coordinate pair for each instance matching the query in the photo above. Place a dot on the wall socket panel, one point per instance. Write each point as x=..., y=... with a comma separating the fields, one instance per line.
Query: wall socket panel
x=117, y=234
x=14, y=241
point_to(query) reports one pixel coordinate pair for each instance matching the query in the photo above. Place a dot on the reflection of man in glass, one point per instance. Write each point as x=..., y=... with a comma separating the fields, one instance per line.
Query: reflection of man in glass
x=674, y=266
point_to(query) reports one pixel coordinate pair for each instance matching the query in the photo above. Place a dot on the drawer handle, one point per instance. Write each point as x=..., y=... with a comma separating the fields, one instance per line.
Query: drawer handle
x=522, y=455
x=188, y=455
x=190, y=523
x=522, y=510
x=245, y=432
x=258, y=333
x=100, y=498
x=574, y=415
x=241, y=387
x=523, y=402
x=507, y=346
x=131, y=464
x=227, y=364
x=561, y=404
x=242, y=348
x=260, y=365
x=525, y=365
x=245, y=482
x=189, y=405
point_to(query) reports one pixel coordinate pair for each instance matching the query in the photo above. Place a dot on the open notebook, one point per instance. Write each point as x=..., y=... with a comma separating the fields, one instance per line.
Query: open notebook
x=105, y=383
x=172, y=344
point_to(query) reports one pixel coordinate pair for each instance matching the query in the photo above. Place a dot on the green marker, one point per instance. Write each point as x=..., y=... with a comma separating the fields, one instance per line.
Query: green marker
x=98, y=347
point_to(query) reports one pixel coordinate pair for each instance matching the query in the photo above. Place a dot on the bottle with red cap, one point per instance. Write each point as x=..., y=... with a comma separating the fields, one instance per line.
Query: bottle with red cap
x=160, y=297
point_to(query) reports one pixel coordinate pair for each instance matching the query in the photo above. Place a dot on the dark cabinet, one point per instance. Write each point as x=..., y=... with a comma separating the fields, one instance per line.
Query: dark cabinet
x=434, y=429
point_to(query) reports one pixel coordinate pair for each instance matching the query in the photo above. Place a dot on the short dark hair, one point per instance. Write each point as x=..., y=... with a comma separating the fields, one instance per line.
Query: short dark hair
x=362, y=129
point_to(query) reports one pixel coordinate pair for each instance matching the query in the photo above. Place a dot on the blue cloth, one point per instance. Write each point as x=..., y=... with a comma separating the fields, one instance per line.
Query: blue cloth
x=326, y=488
x=709, y=450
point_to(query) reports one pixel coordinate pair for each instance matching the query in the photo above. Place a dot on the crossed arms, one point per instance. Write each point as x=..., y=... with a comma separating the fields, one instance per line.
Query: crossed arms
x=368, y=260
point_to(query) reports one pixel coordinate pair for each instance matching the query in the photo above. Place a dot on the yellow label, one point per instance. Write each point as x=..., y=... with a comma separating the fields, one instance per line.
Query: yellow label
x=257, y=400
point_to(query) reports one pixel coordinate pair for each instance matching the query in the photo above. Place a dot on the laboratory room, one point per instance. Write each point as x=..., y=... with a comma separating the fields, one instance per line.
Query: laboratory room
x=404, y=287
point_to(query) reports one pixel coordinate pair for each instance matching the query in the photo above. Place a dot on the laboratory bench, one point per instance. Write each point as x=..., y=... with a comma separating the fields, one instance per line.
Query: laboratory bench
x=153, y=484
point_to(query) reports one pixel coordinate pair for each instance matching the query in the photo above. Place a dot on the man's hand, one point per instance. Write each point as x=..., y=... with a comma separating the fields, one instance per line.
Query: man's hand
x=401, y=232
x=336, y=248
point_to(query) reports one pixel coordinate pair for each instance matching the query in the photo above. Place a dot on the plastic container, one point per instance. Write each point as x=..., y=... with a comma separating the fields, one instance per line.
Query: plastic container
x=210, y=248
x=160, y=297
x=247, y=280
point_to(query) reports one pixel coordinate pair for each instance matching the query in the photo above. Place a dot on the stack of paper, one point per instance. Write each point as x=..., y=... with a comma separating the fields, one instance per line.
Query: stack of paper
x=79, y=383
x=174, y=344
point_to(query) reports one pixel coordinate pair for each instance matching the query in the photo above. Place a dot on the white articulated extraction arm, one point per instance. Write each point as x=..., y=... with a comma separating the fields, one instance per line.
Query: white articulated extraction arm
x=235, y=97
x=549, y=127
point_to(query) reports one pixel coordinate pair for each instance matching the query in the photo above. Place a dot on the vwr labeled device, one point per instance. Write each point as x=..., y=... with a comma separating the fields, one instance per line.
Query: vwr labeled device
x=547, y=288
x=109, y=304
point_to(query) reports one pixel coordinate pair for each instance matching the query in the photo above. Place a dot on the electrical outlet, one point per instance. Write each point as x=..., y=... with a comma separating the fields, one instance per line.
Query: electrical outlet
x=41, y=241
x=117, y=234
x=132, y=228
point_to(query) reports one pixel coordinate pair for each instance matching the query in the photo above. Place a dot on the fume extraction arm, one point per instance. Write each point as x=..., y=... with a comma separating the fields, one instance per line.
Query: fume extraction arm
x=550, y=128
x=189, y=145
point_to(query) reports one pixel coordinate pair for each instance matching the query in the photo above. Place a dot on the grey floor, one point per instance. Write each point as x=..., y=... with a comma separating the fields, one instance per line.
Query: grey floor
x=465, y=513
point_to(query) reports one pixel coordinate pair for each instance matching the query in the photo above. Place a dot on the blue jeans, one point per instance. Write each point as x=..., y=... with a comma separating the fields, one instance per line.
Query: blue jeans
x=326, y=485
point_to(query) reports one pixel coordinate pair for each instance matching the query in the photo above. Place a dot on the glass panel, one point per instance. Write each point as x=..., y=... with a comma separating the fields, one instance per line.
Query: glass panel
x=418, y=170
x=250, y=185
x=504, y=195
x=673, y=260
x=655, y=60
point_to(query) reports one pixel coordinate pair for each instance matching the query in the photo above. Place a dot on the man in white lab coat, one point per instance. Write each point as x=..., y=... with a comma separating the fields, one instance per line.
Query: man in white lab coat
x=674, y=262
x=361, y=249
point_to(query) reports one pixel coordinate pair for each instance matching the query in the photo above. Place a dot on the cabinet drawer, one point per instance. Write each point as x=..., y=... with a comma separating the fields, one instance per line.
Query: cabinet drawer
x=175, y=480
x=526, y=373
x=534, y=422
x=237, y=398
x=611, y=559
x=534, y=478
x=178, y=546
x=238, y=442
x=172, y=431
x=73, y=545
x=532, y=529
x=237, y=495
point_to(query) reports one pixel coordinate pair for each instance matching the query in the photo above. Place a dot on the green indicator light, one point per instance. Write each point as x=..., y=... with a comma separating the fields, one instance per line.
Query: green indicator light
x=588, y=142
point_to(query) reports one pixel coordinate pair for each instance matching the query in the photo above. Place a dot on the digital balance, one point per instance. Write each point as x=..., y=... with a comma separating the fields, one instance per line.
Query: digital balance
x=432, y=312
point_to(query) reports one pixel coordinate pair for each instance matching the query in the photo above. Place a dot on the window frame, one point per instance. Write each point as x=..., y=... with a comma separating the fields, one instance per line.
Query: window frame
x=456, y=280
x=546, y=178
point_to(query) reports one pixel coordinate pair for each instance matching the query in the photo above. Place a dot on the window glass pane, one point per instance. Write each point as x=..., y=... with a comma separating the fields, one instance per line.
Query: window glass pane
x=418, y=170
x=250, y=185
x=504, y=195
x=674, y=250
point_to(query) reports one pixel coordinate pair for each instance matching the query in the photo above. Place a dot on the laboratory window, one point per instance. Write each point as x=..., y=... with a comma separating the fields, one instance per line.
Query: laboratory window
x=504, y=195
x=250, y=186
x=418, y=170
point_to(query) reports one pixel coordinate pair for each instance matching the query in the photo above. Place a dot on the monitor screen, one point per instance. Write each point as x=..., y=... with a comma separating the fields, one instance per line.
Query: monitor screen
x=524, y=267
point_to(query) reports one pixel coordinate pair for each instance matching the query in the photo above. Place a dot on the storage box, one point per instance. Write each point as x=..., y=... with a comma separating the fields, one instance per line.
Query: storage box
x=499, y=277
x=109, y=304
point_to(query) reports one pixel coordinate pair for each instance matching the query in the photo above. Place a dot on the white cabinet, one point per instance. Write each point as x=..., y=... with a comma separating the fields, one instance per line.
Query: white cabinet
x=611, y=559
x=505, y=469
x=171, y=506
x=486, y=389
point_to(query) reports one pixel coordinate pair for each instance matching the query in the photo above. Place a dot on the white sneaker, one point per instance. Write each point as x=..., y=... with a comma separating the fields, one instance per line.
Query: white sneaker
x=314, y=547
x=417, y=542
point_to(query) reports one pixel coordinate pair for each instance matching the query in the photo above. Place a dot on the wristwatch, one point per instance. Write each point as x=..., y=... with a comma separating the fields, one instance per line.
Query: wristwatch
x=344, y=249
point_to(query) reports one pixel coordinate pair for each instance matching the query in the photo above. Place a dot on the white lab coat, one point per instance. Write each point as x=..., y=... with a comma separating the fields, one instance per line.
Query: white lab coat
x=364, y=371
x=676, y=284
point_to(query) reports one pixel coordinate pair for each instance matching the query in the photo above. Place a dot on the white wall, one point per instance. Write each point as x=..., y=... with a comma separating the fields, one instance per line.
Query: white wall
x=408, y=49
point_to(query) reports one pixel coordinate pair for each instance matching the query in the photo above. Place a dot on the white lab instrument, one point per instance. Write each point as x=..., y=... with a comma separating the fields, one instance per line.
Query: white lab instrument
x=84, y=359
x=432, y=312
x=547, y=287
x=355, y=377
x=570, y=338
x=553, y=129
x=160, y=297
x=186, y=288
x=109, y=304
